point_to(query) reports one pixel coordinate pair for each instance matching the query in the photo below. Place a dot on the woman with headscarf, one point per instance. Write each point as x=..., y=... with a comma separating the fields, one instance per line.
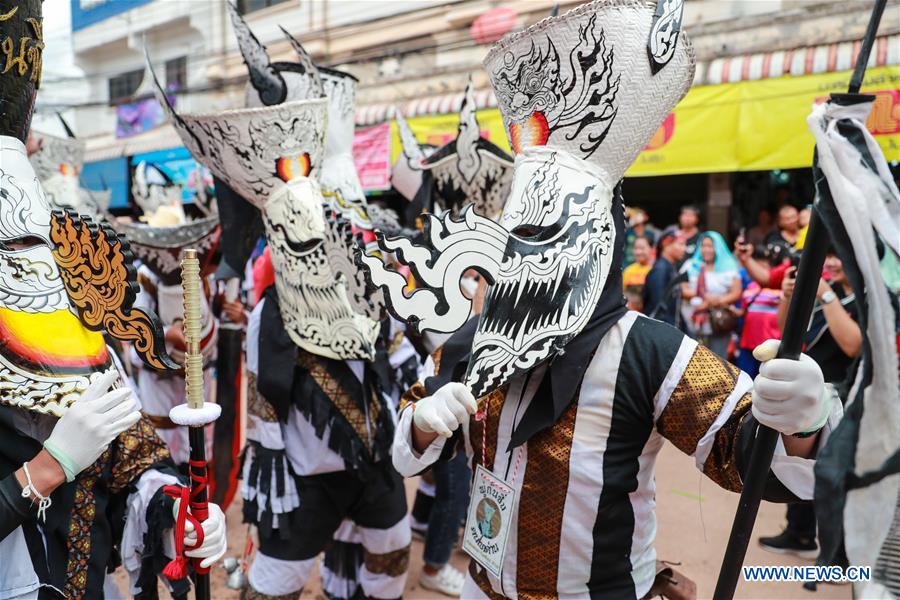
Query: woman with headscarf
x=715, y=285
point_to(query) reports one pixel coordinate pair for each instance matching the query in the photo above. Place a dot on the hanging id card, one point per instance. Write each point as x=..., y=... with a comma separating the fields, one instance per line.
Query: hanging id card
x=489, y=519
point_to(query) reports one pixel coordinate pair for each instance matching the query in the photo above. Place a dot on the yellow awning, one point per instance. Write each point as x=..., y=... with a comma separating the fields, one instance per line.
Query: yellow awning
x=742, y=126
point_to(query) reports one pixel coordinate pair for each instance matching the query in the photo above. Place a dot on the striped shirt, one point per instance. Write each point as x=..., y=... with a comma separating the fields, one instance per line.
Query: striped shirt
x=585, y=520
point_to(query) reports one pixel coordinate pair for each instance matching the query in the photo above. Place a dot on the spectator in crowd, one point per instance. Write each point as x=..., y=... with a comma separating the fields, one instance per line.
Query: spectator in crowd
x=714, y=286
x=788, y=227
x=756, y=235
x=635, y=274
x=688, y=229
x=638, y=227
x=833, y=340
x=770, y=273
x=760, y=312
x=662, y=287
x=804, y=215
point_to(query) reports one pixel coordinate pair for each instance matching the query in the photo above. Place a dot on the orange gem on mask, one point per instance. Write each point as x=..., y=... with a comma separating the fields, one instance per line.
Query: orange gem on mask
x=292, y=167
x=534, y=131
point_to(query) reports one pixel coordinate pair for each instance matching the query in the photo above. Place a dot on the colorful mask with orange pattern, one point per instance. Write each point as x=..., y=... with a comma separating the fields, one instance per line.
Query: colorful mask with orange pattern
x=63, y=279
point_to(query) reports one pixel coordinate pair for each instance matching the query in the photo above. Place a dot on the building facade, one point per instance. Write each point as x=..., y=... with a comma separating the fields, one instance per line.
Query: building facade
x=418, y=54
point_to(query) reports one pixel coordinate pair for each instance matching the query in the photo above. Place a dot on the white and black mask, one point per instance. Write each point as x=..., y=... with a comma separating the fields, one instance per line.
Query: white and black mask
x=62, y=281
x=470, y=169
x=273, y=83
x=58, y=163
x=576, y=124
x=269, y=156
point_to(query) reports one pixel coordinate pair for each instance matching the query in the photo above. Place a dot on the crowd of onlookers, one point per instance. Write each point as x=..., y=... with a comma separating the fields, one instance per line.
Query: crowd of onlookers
x=732, y=297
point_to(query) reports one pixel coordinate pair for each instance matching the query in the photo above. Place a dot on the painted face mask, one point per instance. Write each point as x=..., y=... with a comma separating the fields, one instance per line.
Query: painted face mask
x=579, y=99
x=273, y=83
x=470, y=169
x=58, y=163
x=269, y=157
x=63, y=281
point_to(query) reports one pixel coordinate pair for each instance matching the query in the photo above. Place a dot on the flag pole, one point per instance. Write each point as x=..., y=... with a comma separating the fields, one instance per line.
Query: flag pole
x=797, y=321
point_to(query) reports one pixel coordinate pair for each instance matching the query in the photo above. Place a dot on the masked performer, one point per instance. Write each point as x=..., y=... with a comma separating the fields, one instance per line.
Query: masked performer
x=81, y=471
x=58, y=162
x=468, y=170
x=321, y=422
x=577, y=394
x=158, y=243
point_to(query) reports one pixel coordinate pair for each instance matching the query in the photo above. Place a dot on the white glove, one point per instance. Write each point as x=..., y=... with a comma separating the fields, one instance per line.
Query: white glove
x=446, y=410
x=90, y=424
x=215, y=542
x=789, y=395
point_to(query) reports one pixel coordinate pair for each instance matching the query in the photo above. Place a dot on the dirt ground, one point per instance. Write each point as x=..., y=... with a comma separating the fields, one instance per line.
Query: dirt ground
x=694, y=521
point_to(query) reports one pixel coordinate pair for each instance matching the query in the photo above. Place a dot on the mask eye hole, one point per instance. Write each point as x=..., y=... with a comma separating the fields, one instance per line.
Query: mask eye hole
x=21, y=243
x=536, y=233
x=526, y=231
x=309, y=245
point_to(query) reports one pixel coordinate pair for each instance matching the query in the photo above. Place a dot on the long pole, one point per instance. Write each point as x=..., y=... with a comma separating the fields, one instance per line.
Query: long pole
x=808, y=273
x=193, y=375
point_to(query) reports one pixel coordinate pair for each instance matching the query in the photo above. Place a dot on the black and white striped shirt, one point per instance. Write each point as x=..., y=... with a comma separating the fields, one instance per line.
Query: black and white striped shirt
x=585, y=519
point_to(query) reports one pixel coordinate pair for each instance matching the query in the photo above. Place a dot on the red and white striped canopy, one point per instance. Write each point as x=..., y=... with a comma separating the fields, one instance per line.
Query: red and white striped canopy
x=800, y=61
x=749, y=67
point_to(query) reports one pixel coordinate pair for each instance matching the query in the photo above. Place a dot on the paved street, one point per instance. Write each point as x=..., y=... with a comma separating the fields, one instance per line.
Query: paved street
x=694, y=521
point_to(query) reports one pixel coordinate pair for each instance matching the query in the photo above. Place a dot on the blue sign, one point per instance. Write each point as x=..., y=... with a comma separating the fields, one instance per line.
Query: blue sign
x=109, y=175
x=87, y=12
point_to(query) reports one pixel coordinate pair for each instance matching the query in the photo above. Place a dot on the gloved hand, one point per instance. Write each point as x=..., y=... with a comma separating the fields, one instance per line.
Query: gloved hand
x=789, y=395
x=214, y=538
x=90, y=424
x=446, y=410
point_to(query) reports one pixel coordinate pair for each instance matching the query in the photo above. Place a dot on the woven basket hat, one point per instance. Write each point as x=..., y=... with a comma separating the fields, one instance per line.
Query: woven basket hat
x=583, y=83
x=255, y=150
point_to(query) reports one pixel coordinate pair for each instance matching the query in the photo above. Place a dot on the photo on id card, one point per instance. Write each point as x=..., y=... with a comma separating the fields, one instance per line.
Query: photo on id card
x=488, y=520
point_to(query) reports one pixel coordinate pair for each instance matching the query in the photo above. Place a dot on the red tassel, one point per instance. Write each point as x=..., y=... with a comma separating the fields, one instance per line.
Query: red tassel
x=177, y=568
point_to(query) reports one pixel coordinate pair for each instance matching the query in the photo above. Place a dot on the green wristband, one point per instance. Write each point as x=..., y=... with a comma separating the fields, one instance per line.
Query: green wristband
x=63, y=459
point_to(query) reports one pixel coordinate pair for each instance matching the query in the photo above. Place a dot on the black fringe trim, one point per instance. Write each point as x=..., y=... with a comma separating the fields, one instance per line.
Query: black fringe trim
x=318, y=409
x=264, y=462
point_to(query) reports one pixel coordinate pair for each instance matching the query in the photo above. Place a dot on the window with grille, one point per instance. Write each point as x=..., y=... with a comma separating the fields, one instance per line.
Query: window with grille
x=176, y=74
x=123, y=86
x=248, y=6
